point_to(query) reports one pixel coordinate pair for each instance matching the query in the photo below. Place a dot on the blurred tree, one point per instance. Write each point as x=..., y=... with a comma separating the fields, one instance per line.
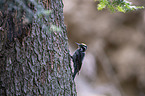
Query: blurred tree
x=34, y=55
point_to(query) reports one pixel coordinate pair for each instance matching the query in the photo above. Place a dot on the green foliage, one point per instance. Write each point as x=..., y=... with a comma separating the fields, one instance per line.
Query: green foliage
x=31, y=10
x=117, y=5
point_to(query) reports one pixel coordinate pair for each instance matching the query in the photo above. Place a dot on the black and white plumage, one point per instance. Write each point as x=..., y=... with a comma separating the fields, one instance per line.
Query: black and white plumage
x=78, y=57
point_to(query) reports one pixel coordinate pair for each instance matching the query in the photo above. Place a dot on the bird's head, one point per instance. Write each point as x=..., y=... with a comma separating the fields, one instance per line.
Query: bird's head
x=82, y=46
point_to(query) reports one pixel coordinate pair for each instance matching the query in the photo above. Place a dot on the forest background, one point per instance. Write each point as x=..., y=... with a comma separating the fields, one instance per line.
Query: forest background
x=115, y=59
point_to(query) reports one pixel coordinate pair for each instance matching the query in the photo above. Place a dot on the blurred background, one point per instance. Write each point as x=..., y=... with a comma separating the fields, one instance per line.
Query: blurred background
x=115, y=59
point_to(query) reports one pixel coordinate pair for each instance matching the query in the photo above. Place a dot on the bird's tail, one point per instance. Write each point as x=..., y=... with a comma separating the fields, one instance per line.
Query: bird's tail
x=75, y=72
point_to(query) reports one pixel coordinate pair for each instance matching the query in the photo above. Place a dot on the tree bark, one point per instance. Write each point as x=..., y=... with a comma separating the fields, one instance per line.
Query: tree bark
x=35, y=61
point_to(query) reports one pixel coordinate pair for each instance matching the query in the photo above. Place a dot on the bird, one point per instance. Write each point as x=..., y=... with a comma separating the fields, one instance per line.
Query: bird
x=78, y=57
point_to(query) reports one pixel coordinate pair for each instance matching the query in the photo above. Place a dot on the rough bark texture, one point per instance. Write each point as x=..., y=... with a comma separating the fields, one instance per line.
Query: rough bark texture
x=38, y=63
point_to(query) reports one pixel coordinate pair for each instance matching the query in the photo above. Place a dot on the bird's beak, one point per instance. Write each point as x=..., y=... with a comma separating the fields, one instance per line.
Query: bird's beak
x=77, y=43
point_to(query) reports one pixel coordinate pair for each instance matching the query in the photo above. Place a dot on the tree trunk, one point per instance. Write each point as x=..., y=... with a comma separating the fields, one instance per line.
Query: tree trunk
x=34, y=61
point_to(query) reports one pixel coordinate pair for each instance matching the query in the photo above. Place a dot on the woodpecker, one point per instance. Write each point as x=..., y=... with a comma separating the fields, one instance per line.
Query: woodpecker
x=78, y=57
